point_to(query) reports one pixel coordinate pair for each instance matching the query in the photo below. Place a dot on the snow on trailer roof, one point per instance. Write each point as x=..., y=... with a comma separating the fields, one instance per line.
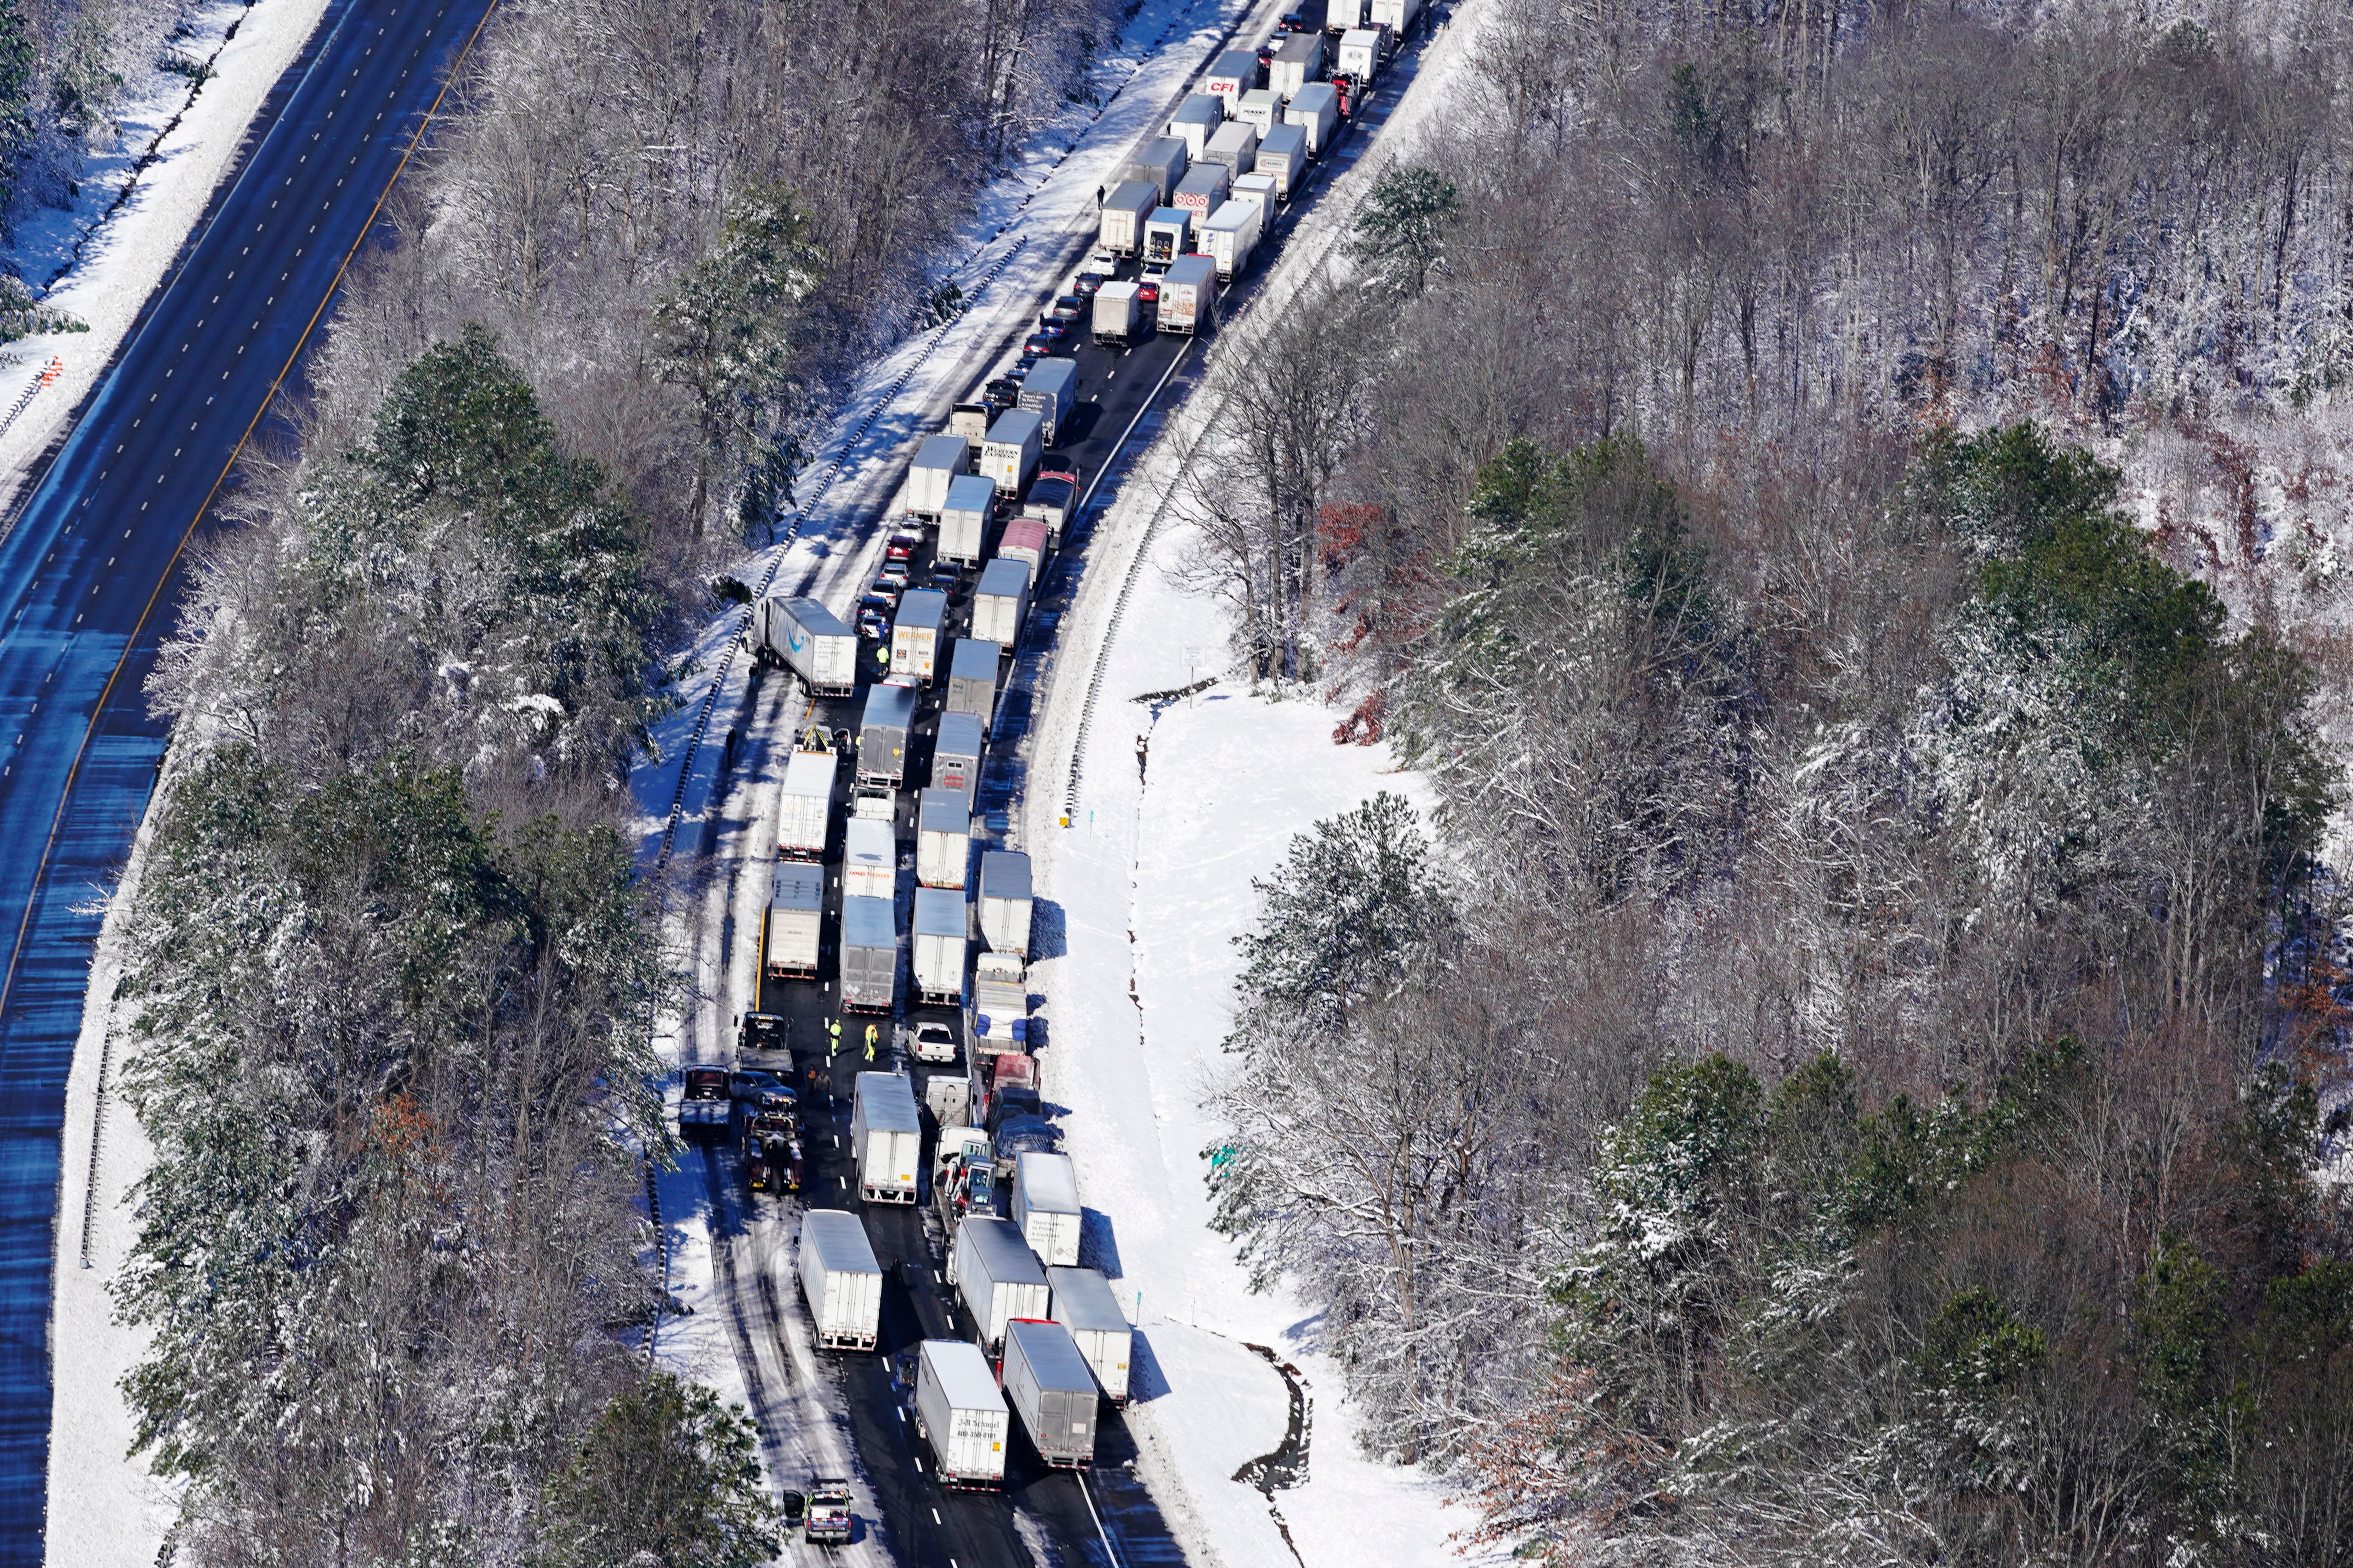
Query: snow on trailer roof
x=889, y=706
x=868, y=921
x=922, y=609
x=1004, y=1256
x=1004, y=874
x=975, y=660
x=840, y=1241
x=940, y=912
x=798, y=886
x=809, y=774
x=963, y=1375
x=1053, y=1356
x=943, y=811
x=1004, y=577
x=972, y=492
x=1050, y=1181
x=890, y=1102
x=1083, y=1298
x=869, y=842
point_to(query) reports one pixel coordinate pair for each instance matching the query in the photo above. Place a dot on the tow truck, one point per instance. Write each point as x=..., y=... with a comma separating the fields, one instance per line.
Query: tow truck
x=828, y=1512
x=762, y=1032
x=704, y=1107
x=964, y=1175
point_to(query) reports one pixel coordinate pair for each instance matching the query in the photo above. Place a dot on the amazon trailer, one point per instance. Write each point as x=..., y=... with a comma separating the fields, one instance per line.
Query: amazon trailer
x=1261, y=110
x=1315, y=108
x=1046, y=1206
x=1282, y=158
x=1167, y=234
x=1052, y=1392
x=1231, y=235
x=962, y=1414
x=1117, y=312
x=1010, y=454
x=804, y=823
x=963, y=525
x=1000, y=600
x=1298, y=62
x=886, y=1137
x=1125, y=213
x=942, y=840
x=1234, y=73
x=840, y=1279
x=1199, y=192
x=1188, y=294
x=941, y=923
x=884, y=731
x=870, y=860
x=997, y=1277
x=955, y=754
x=1234, y=145
x=870, y=955
x=1084, y=1305
x=1005, y=903
x=1160, y=166
x=809, y=640
x=1194, y=122
x=997, y=1019
x=789, y=931
x=972, y=680
x=940, y=459
x=917, y=633
x=1050, y=391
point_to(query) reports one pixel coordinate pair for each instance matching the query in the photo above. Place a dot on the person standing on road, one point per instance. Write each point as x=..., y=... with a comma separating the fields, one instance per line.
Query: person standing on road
x=883, y=657
x=833, y=1038
x=870, y=1042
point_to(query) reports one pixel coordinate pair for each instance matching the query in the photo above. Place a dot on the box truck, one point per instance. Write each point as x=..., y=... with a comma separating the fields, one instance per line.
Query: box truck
x=1298, y=61
x=1084, y=1305
x=1360, y=56
x=1282, y=158
x=840, y=1279
x=1344, y=15
x=1117, y=312
x=961, y=1413
x=1160, y=166
x=1188, y=294
x=790, y=928
x=997, y=1019
x=886, y=1137
x=1125, y=212
x=963, y=525
x=1005, y=905
x=1046, y=1206
x=1010, y=454
x=1397, y=16
x=884, y=728
x=1052, y=1393
x=969, y=420
x=1050, y=392
x=943, y=838
x=1315, y=108
x=972, y=680
x=870, y=955
x=1195, y=120
x=1234, y=145
x=939, y=459
x=1168, y=235
x=1232, y=74
x=1202, y=188
x=918, y=632
x=1261, y=110
x=1230, y=237
x=1000, y=600
x=809, y=640
x=941, y=923
x=956, y=753
x=806, y=815
x=1025, y=540
x=997, y=1277
x=870, y=859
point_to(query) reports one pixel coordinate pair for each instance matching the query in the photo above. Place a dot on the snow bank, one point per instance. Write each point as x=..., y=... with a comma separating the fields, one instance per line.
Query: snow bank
x=113, y=257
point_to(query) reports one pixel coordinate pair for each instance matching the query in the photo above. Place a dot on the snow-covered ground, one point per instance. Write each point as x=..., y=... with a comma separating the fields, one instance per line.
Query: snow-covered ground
x=100, y=260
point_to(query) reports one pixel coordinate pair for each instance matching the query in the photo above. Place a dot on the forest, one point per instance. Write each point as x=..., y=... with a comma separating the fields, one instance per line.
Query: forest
x=392, y=968
x=1842, y=503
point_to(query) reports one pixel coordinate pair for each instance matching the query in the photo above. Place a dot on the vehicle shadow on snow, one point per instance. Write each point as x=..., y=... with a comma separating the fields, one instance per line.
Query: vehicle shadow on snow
x=1146, y=1380
x=1098, y=1245
x=1049, y=932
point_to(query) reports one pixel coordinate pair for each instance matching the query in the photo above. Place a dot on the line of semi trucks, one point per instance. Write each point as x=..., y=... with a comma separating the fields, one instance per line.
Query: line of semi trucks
x=1049, y=1338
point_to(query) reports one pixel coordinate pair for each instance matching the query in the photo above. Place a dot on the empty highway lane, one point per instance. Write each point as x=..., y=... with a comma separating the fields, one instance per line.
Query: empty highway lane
x=89, y=580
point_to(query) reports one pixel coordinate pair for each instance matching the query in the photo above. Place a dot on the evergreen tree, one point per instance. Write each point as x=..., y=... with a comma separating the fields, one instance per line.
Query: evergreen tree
x=666, y=1478
x=1402, y=227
